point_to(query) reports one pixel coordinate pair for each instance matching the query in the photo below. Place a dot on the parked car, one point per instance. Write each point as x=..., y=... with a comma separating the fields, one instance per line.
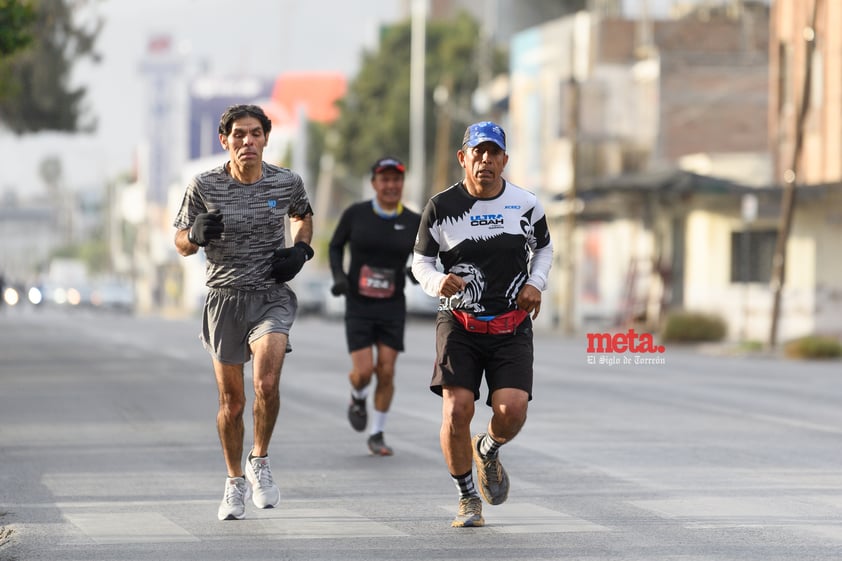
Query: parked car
x=311, y=291
x=418, y=302
x=113, y=294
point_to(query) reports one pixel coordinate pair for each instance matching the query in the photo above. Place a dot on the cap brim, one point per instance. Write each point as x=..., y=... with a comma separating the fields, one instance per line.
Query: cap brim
x=483, y=141
x=381, y=169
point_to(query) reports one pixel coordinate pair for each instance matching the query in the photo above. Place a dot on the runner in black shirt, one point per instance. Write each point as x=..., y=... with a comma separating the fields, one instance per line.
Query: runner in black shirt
x=380, y=234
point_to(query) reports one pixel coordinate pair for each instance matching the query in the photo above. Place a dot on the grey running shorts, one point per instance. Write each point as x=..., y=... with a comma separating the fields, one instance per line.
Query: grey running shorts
x=462, y=357
x=233, y=319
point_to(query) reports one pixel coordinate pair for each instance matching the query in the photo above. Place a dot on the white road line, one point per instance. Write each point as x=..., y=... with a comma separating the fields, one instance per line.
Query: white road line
x=134, y=527
x=772, y=510
x=286, y=523
x=527, y=518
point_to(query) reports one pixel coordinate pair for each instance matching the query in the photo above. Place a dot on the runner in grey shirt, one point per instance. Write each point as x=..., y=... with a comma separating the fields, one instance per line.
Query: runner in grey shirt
x=236, y=213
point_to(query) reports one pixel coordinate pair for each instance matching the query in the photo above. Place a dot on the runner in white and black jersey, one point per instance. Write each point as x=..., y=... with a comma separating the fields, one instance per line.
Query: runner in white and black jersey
x=494, y=244
x=236, y=213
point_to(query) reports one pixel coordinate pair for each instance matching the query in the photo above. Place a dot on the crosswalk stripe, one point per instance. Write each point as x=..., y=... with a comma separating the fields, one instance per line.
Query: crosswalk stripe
x=528, y=518
x=130, y=527
x=286, y=523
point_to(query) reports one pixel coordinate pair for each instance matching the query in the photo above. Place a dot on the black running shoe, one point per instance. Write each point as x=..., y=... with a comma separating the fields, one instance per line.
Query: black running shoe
x=377, y=446
x=357, y=414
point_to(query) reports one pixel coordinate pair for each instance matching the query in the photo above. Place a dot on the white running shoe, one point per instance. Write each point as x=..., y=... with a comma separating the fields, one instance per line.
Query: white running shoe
x=233, y=505
x=265, y=494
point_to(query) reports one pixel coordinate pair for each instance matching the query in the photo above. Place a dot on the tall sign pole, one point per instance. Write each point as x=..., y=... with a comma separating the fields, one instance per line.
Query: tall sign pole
x=417, y=62
x=163, y=69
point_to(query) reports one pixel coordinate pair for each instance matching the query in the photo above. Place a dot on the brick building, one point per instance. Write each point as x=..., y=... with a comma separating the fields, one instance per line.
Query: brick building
x=618, y=105
x=788, y=51
x=650, y=93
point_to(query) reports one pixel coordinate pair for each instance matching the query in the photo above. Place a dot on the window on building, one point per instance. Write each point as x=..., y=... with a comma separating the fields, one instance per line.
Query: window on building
x=751, y=255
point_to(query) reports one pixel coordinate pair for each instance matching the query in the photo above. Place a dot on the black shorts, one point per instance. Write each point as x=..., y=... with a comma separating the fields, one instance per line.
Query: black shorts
x=462, y=358
x=361, y=332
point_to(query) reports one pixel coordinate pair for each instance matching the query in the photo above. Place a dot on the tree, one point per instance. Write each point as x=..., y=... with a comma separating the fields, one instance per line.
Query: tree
x=35, y=94
x=16, y=20
x=374, y=117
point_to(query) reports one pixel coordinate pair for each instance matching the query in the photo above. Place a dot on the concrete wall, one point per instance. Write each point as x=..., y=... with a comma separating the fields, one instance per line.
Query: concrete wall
x=812, y=297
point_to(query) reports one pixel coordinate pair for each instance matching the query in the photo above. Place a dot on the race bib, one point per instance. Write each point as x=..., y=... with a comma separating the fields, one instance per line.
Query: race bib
x=377, y=283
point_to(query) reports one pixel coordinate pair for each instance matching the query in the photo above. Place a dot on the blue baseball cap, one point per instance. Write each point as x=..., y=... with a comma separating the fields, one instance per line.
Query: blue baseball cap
x=484, y=131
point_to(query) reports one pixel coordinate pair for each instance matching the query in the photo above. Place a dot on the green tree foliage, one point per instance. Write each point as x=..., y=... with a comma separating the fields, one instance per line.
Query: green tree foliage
x=94, y=253
x=35, y=93
x=16, y=25
x=375, y=112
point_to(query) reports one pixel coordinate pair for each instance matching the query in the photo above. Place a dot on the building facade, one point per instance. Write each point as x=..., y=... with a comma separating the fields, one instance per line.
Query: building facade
x=790, y=56
x=594, y=98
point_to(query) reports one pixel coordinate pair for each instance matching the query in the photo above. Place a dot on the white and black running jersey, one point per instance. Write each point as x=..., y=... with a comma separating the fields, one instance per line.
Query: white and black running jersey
x=491, y=243
x=253, y=215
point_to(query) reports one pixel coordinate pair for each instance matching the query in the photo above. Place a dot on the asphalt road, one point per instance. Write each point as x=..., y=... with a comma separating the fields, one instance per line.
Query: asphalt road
x=108, y=451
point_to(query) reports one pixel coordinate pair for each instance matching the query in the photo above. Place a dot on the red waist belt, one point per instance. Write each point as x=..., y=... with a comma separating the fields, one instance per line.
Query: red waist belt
x=500, y=325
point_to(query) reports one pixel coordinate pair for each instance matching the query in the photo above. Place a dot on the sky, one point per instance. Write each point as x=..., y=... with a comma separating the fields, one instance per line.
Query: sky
x=262, y=38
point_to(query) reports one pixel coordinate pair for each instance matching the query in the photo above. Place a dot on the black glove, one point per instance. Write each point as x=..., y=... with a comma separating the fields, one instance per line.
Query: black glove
x=410, y=276
x=340, y=286
x=206, y=227
x=287, y=261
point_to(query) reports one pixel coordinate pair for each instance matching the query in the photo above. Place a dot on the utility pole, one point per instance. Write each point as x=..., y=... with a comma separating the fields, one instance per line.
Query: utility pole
x=418, y=57
x=570, y=217
x=324, y=183
x=444, y=124
x=790, y=178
